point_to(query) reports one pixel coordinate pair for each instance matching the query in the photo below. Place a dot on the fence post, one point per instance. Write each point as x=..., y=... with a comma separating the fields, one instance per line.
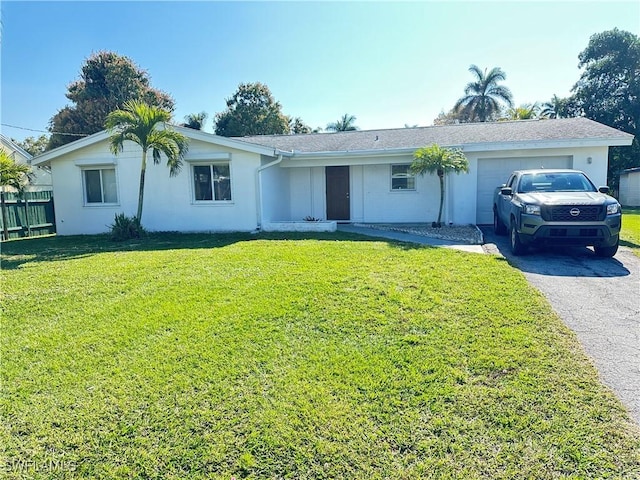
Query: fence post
x=26, y=213
x=3, y=206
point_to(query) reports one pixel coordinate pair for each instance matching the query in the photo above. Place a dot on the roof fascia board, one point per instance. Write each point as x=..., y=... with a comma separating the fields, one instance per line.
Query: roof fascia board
x=188, y=132
x=225, y=141
x=70, y=147
x=556, y=143
x=9, y=144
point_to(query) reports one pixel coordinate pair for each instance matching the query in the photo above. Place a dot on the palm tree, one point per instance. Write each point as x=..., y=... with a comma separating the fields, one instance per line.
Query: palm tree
x=195, y=120
x=345, y=124
x=141, y=123
x=439, y=160
x=483, y=97
x=553, y=108
x=15, y=175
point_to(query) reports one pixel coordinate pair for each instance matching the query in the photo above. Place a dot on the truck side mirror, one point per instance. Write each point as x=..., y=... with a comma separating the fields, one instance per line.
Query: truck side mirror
x=508, y=191
x=603, y=189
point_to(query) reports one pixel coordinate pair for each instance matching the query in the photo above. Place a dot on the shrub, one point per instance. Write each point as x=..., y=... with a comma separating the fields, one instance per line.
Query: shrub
x=126, y=228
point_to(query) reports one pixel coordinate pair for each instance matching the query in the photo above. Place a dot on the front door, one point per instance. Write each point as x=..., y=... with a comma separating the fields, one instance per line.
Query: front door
x=337, y=179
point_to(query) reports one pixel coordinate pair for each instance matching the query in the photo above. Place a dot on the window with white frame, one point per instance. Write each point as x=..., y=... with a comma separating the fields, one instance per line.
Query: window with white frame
x=402, y=178
x=212, y=182
x=100, y=186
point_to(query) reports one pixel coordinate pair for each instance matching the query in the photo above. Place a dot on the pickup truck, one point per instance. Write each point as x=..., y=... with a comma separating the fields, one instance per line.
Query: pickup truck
x=556, y=207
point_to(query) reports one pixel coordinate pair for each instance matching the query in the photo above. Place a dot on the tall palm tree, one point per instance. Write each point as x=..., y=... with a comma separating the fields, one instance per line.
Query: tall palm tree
x=195, y=120
x=147, y=126
x=439, y=160
x=15, y=175
x=483, y=98
x=345, y=124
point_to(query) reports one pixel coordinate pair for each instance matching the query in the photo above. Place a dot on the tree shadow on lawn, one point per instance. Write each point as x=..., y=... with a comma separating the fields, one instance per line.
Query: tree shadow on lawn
x=54, y=248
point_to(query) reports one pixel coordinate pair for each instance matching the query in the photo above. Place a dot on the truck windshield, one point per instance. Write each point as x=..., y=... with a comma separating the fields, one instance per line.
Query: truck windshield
x=555, y=182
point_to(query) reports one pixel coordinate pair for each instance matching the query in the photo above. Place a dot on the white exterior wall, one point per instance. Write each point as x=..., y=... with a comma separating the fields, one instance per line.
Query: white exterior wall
x=371, y=197
x=168, y=201
x=630, y=189
x=275, y=184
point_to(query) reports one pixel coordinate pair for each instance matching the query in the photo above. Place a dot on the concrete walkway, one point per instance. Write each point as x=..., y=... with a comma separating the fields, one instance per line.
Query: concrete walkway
x=410, y=238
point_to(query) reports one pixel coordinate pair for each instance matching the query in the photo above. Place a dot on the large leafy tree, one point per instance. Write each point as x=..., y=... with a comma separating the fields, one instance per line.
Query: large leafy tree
x=252, y=110
x=608, y=91
x=14, y=175
x=346, y=123
x=107, y=80
x=484, y=97
x=439, y=160
x=147, y=126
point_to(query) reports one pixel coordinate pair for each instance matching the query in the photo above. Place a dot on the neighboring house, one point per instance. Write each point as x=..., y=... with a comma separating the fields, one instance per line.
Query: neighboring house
x=41, y=177
x=630, y=187
x=240, y=184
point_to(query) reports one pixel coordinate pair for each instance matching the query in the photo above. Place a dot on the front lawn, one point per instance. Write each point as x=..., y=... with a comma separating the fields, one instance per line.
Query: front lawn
x=630, y=234
x=197, y=357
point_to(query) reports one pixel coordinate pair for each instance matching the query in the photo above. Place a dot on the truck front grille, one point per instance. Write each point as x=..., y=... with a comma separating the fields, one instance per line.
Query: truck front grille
x=573, y=213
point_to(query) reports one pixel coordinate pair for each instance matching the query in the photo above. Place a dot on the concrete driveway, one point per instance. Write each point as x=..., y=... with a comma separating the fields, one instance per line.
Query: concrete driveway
x=599, y=299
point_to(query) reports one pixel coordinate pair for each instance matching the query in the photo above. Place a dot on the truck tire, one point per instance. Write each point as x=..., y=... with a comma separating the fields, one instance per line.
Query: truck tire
x=517, y=248
x=607, y=252
x=498, y=227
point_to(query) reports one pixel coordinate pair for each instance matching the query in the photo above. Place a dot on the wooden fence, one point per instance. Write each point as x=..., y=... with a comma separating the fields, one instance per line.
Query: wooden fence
x=30, y=214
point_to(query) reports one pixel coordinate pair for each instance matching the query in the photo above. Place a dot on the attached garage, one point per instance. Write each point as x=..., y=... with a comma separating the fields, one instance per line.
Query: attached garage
x=493, y=172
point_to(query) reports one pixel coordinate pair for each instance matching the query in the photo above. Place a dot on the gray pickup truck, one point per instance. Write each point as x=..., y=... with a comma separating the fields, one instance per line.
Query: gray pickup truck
x=556, y=207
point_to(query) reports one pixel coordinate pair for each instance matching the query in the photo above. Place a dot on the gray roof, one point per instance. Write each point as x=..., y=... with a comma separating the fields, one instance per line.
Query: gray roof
x=445, y=135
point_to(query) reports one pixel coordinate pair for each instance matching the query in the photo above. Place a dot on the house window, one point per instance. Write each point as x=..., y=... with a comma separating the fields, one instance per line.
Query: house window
x=402, y=178
x=100, y=186
x=212, y=182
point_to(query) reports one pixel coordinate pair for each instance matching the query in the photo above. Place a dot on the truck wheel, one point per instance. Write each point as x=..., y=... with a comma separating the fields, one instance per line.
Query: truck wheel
x=498, y=226
x=606, y=251
x=517, y=248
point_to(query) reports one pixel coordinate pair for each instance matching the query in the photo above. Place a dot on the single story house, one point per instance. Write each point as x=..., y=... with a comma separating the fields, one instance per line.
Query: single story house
x=630, y=187
x=41, y=177
x=247, y=183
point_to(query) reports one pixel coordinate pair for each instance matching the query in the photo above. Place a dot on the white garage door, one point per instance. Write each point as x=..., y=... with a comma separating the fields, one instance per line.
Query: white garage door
x=493, y=172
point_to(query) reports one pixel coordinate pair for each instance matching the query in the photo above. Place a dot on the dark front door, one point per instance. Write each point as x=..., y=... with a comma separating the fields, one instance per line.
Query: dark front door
x=337, y=193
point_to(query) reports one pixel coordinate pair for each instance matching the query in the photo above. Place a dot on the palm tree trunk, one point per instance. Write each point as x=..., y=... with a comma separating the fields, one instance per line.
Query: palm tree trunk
x=143, y=171
x=441, y=177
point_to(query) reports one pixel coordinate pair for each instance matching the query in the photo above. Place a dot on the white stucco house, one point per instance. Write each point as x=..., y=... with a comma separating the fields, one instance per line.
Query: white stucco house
x=630, y=187
x=248, y=183
x=41, y=177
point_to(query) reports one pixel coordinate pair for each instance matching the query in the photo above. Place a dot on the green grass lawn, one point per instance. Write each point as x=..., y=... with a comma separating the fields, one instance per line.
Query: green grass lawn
x=197, y=357
x=630, y=235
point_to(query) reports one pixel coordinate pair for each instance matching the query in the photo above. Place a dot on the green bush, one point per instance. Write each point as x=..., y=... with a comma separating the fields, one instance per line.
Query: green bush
x=126, y=228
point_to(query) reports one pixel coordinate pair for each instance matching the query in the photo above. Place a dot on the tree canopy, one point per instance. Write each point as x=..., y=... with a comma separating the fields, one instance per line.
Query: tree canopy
x=147, y=126
x=608, y=91
x=252, y=110
x=107, y=80
x=14, y=175
x=346, y=123
x=484, y=97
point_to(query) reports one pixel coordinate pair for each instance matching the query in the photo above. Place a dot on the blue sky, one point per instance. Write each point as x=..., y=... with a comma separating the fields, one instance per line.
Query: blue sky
x=389, y=64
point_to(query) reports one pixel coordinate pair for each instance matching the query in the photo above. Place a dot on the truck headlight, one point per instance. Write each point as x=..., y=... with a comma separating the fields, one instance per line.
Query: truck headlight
x=613, y=208
x=532, y=209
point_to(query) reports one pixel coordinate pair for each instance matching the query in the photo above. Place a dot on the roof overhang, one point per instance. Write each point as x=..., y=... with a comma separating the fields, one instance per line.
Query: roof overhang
x=12, y=146
x=190, y=133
